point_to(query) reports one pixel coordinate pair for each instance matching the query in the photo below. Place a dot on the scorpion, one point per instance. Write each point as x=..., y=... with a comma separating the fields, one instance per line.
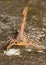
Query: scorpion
x=22, y=39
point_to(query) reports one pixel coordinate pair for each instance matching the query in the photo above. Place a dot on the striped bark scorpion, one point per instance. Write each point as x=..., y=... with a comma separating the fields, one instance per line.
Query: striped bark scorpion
x=22, y=39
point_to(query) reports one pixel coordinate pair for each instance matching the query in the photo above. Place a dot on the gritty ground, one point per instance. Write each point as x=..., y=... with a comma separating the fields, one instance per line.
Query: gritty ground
x=10, y=19
x=30, y=58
